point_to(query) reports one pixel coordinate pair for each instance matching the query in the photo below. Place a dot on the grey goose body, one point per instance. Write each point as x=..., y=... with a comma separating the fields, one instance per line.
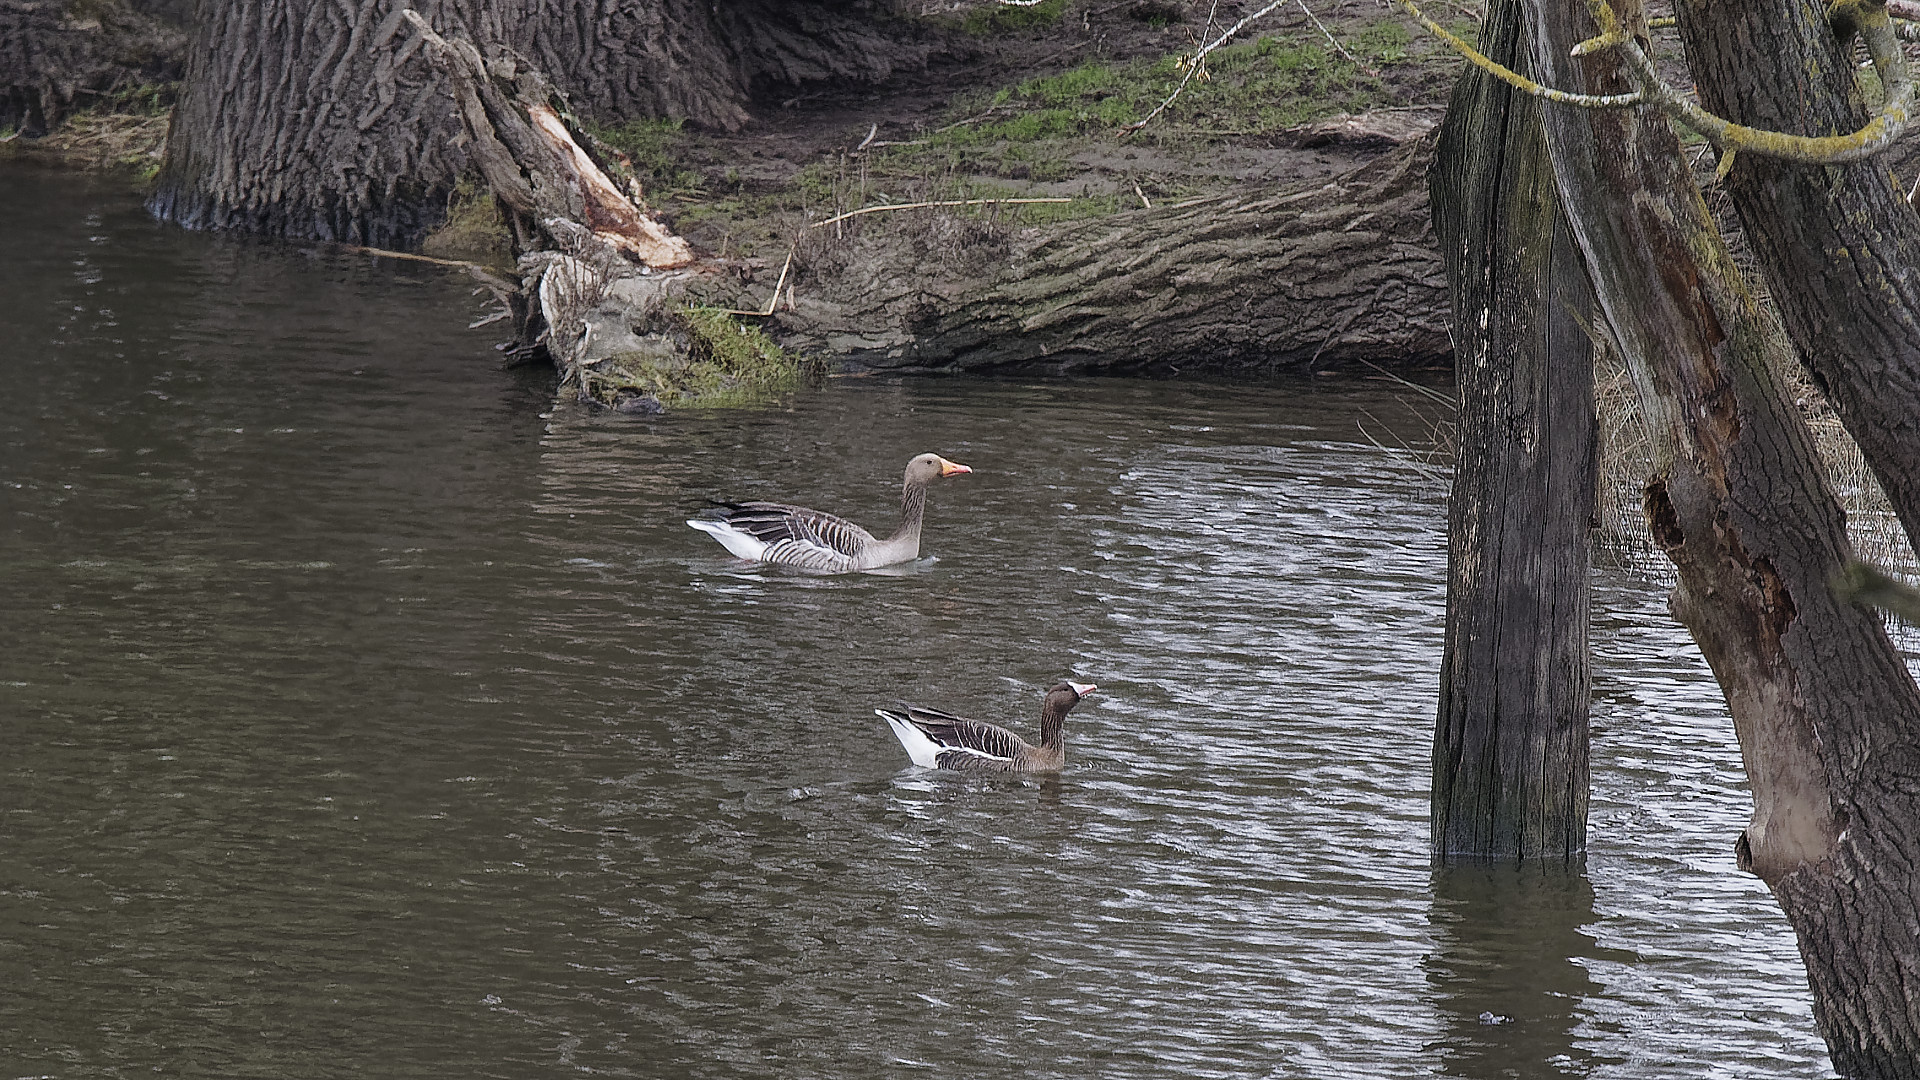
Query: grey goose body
x=941, y=740
x=815, y=540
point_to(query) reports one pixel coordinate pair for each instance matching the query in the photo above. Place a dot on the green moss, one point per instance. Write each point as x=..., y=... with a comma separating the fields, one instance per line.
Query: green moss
x=996, y=18
x=727, y=365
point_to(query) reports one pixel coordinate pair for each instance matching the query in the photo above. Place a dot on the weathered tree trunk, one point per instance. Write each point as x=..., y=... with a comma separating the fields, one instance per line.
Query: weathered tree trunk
x=1328, y=274
x=56, y=55
x=1823, y=705
x=320, y=121
x=1510, y=742
x=1838, y=243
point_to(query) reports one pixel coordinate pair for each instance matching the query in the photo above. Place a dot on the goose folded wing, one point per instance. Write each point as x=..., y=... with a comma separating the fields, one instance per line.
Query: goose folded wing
x=771, y=523
x=972, y=737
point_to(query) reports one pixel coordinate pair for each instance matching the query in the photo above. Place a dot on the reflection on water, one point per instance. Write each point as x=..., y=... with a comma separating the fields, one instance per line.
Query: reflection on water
x=361, y=721
x=1506, y=970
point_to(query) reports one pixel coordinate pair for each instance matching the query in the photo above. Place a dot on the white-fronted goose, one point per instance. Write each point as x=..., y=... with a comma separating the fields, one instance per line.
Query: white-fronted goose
x=938, y=740
x=797, y=536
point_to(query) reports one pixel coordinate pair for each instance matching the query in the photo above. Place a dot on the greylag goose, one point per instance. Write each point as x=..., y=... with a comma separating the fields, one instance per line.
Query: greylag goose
x=938, y=740
x=797, y=536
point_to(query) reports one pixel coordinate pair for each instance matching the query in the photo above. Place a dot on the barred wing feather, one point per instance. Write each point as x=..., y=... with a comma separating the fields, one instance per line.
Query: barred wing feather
x=961, y=740
x=797, y=536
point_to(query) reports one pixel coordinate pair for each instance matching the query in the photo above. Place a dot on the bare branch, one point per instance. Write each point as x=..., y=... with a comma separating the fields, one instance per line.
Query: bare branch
x=1513, y=78
x=1332, y=42
x=1866, y=18
x=1849, y=17
x=1193, y=67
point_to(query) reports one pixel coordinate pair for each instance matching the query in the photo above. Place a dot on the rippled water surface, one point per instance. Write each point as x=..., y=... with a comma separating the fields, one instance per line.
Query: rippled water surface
x=361, y=715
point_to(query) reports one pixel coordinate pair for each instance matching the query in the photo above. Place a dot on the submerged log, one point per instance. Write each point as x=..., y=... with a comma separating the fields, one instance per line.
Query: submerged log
x=1295, y=280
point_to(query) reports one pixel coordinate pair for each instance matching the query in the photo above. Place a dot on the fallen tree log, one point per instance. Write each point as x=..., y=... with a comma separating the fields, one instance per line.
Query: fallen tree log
x=1302, y=279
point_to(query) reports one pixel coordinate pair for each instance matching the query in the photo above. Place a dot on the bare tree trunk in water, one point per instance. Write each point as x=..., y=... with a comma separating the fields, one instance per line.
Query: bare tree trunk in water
x=1824, y=707
x=323, y=121
x=1510, y=742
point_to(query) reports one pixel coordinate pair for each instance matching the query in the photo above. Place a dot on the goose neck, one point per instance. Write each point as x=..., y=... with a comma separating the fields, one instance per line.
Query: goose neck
x=913, y=508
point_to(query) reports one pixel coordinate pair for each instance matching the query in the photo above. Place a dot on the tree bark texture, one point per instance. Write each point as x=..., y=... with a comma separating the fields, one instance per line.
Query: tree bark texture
x=1510, y=742
x=56, y=56
x=324, y=121
x=1296, y=280
x=1823, y=704
x=1838, y=243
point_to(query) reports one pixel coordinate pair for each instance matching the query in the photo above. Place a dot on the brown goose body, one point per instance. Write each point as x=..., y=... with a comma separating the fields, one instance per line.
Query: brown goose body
x=941, y=740
x=799, y=536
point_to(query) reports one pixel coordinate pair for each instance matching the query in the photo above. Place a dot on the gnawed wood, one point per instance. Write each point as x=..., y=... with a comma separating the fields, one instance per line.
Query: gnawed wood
x=535, y=165
x=605, y=209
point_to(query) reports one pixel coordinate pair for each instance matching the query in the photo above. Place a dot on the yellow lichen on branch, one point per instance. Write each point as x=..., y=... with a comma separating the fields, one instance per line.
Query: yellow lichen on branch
x=1873, y=25
x=1848, y=17
x=1513, y=78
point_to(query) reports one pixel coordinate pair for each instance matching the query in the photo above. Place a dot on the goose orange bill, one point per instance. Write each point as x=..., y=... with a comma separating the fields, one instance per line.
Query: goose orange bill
x=1083, y=689
x=952, y=468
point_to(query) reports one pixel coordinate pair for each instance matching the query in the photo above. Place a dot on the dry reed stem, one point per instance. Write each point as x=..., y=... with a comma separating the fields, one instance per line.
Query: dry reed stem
x=938, y=202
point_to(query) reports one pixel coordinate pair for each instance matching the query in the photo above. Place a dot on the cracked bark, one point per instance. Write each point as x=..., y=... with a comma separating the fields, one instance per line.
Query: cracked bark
x=317, y=120
x=1837, y=243
x=1823, y=704
x=1294, y=280
x=1510, y=775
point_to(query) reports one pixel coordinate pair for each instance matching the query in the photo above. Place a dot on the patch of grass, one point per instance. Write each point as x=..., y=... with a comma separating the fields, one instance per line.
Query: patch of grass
x=997, y=18
x=146, y=99
x=1258, y=86
x=474, y=229
x=1385, y=42
x=652, y=149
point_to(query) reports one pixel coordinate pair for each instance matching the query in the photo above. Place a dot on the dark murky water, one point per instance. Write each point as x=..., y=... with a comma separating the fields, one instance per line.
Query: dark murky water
x=359, y=720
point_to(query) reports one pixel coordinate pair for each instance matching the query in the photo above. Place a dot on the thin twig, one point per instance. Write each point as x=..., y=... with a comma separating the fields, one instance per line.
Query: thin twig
x=385, y=254
x=868, y=141
x=1332, y=42
x=1193, y=67
x=772, y=301
x=941, y=202
x=1427, y=391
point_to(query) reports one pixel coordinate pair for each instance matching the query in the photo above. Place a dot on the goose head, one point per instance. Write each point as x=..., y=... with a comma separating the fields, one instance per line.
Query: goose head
x=929, y=467
x=1065, y=695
